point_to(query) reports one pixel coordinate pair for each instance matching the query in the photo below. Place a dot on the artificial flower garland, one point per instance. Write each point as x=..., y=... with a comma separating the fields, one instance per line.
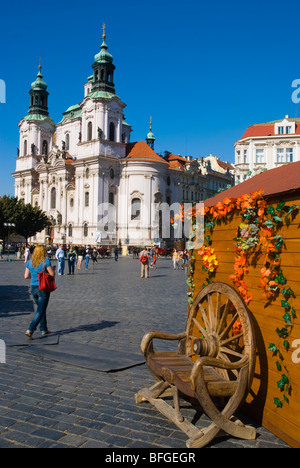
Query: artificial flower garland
x=257, y=232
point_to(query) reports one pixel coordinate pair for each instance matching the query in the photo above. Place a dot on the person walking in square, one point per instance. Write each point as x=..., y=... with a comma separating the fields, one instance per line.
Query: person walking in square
x=71, y=261
x=175, y=260
x=87, y=257
x=144, y=259
x=34, y=266
x=80, y=257
x=60, y=257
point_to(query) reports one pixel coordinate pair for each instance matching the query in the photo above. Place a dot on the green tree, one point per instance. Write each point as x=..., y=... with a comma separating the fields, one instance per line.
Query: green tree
x=28, y=219
x=8, y=207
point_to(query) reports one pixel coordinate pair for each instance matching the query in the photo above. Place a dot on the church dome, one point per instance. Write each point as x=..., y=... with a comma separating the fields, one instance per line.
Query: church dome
x=103, y=56
x=39, y=84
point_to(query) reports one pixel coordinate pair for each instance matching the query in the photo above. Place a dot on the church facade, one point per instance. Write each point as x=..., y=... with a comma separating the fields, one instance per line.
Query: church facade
x=96, y=186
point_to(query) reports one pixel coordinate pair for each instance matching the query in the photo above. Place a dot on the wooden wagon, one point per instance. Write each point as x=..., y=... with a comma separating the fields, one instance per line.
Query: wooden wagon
x=244, y=285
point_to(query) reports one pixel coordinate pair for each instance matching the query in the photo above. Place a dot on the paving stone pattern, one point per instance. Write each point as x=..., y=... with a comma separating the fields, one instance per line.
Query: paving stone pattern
x=45, y=403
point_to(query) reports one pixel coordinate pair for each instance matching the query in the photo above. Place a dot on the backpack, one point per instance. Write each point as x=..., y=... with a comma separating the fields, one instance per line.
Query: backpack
x=144, y=258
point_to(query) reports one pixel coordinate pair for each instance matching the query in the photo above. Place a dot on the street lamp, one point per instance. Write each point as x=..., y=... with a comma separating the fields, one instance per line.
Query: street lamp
x=8, y=226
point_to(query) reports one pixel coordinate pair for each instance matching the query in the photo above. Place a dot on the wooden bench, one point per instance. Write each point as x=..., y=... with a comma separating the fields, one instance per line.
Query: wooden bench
x=213, y=364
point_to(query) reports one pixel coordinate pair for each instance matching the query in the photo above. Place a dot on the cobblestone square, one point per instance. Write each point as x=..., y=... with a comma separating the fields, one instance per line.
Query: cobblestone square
x=48, y=403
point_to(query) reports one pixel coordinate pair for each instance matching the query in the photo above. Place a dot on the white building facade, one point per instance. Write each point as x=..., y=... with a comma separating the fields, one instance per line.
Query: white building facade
x=96, y=186
x=266, y=146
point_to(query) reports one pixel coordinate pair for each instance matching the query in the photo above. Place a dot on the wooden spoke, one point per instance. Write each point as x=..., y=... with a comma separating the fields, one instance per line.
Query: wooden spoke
x=205, y=319
x=211, y=312
x=231, y=351
x=200, y=328
x=229, y=326
x=232, y=338
x=224, y=315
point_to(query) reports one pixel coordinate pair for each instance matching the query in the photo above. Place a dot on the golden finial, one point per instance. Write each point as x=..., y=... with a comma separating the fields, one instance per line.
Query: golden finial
x=40, y=60
x=103, y=27
x=150, y=122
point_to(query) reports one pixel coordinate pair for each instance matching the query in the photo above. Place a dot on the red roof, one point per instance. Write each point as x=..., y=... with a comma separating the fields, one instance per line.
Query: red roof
x=282, y=180
x=266, y=129
x=140, y=150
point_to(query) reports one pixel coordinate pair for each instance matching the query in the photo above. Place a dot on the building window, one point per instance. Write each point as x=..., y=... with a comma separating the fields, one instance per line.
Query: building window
x=280, y=155
x=85, y=230
x=90, y=131
x=112, y=131
x=45, y=148
x=25, y=148
x=280, y=130
x=136, y=209
x=71, y=202
x=53, y=198
x=289, y=155
x=86, y=199
x=288, y=130
x=245, y=156
x=259, y=156
x=67, y=142
x=111, y=198
x=70, y=230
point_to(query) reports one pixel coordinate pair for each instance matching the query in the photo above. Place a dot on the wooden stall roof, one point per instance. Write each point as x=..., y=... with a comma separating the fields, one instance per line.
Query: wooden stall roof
x=281, y=180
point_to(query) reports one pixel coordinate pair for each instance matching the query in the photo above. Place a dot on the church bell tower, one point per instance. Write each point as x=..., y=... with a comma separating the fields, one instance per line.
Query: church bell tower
x=103, y=78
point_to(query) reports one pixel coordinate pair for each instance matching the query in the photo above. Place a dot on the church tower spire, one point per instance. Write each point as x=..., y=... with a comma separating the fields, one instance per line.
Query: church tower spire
x=103, y=69
x=39, y=95
x=150, y=139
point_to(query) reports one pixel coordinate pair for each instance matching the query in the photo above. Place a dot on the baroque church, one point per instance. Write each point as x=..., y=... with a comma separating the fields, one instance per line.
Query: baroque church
x=96, y=186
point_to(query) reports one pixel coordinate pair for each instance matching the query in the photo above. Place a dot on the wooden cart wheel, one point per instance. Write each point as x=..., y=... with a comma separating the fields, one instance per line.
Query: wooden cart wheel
x=219, y=326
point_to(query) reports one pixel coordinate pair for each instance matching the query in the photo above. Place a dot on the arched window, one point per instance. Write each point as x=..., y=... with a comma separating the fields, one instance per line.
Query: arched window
x=136, y=209
x=70, y=230
x=53, y=198
x=90, y=131
x=111, y=198
x=67, y=141
x=85, y=230
x=112, y=131
x=25, y=148
x=45, y=147
x=86, y=199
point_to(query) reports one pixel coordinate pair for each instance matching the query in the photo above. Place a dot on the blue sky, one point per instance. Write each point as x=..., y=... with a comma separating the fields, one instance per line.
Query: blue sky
x=203, y=70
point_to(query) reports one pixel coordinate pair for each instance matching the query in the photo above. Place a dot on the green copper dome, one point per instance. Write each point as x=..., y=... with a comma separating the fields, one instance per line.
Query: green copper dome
x=39, y=84
x=150, y=139
x=103, y=56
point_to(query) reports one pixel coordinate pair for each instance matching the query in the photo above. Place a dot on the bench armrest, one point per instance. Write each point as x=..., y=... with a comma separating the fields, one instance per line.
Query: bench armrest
x=214, y=362
x=150, y=336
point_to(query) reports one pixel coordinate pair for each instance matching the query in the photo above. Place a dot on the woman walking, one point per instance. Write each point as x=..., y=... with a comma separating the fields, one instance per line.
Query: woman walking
x=38, y=261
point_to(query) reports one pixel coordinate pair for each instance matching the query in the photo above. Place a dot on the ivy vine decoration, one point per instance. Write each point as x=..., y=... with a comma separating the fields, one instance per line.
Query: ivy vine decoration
x=275, y=280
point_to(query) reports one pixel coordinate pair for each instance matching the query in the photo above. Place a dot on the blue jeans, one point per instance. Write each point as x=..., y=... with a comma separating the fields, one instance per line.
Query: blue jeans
x=61, y=266
x=41, y=298
x=87, y=259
